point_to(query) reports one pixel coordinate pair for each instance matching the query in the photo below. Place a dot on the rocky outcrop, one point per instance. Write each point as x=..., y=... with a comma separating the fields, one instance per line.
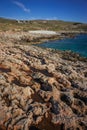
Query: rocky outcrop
x=41, y=89
x=29, y=37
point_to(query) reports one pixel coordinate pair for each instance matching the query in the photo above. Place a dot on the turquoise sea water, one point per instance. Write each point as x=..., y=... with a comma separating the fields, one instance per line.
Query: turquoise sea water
x=77, y=44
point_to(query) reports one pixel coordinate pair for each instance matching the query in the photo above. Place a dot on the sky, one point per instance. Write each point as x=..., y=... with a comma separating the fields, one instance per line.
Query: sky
x=67, y=10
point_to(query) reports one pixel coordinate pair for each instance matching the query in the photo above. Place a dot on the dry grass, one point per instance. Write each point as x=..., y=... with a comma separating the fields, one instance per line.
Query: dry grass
x=54, y=25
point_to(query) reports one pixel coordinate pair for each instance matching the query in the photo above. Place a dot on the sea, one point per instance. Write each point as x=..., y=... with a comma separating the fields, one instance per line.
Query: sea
x=78, y=44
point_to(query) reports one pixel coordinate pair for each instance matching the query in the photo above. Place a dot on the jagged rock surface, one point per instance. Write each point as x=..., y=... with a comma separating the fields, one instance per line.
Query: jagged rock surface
x=40, y=90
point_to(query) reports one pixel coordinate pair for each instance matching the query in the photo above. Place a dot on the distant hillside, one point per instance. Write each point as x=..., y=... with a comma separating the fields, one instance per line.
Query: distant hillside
x=54, y=25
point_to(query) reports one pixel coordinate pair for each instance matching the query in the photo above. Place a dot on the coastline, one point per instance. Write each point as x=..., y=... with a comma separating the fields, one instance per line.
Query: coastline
x=76, y=44
x=61, y=35
x=36, y=38
x=44, y=88
x=40, y=88
x=26, y=38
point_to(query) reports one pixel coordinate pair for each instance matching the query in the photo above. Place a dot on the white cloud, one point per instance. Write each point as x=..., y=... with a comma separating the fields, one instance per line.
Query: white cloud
x=22, y=6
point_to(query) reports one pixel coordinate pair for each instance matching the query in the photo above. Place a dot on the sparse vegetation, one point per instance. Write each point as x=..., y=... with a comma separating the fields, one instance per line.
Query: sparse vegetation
x=55, y=25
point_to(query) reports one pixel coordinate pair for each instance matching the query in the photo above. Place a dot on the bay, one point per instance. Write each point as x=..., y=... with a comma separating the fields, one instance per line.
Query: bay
x=77, y=44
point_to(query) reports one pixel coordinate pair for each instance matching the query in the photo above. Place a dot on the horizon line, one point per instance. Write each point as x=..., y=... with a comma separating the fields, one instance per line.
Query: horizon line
x=8, y=18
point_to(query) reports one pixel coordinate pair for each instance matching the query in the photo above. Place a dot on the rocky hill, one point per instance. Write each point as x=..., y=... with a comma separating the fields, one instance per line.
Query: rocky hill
x=41, y=89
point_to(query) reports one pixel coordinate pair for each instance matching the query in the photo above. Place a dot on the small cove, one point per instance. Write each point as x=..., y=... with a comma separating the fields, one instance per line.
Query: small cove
x=77, y=44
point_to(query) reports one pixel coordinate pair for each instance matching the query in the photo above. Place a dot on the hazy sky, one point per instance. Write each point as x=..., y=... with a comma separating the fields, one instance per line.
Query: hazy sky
x=68, y=10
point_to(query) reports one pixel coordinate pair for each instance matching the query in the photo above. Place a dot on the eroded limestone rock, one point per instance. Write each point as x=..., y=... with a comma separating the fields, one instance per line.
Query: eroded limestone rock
x=41, y=90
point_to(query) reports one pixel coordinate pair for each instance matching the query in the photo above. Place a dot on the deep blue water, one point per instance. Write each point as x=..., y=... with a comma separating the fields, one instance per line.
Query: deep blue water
x=77, y=44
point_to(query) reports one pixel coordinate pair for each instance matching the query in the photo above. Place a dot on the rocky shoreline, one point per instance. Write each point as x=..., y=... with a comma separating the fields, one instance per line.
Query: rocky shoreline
x=41, y=89
x=30, y=38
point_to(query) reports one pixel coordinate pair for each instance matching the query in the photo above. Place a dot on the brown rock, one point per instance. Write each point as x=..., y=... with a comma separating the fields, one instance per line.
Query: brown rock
x=40, y=89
